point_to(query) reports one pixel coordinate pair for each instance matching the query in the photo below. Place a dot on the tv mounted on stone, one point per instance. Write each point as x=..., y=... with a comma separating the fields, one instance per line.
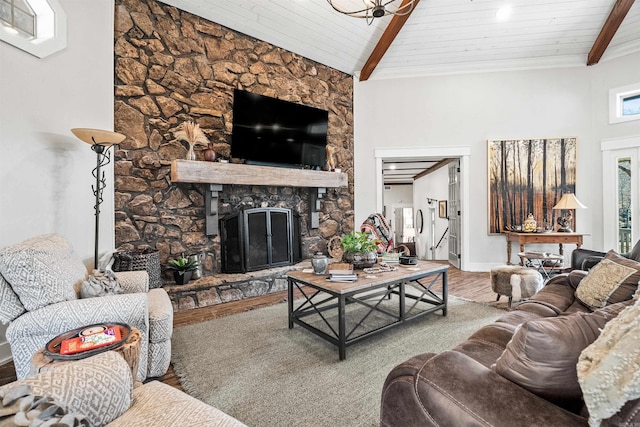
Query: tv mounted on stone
x=273, y=132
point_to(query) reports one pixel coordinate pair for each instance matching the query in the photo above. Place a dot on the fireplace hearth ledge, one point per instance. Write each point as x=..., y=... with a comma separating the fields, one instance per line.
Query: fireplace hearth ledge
x=221, y=288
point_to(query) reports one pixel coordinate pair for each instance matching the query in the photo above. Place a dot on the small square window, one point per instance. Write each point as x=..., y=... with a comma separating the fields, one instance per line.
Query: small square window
x=631, y=105
x=624, y=104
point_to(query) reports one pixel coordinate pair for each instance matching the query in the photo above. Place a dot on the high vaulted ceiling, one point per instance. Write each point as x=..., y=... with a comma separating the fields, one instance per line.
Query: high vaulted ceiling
x=441, y=36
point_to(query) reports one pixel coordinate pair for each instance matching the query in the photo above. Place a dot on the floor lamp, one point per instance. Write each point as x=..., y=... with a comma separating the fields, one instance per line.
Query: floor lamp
x=101, y=141
x=571, y=203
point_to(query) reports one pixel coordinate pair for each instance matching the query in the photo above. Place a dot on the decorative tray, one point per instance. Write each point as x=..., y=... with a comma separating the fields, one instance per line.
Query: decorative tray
x=52, y=348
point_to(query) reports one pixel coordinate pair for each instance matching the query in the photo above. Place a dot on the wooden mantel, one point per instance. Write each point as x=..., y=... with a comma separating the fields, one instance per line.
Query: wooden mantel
x=199, y=172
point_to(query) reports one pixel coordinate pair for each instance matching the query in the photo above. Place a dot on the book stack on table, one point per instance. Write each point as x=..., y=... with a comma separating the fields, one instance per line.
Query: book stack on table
x=342, y=276
x=391, y=257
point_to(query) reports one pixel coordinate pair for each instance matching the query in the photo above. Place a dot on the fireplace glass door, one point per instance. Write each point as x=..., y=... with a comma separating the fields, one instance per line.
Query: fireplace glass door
x=270, y=238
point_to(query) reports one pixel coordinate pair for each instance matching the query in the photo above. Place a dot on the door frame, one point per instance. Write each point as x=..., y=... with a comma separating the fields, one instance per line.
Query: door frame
x=463, y=152
x=611, y=150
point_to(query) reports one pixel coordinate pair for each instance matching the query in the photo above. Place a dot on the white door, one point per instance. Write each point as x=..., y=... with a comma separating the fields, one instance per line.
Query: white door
x=453, y=212
x=621, y=193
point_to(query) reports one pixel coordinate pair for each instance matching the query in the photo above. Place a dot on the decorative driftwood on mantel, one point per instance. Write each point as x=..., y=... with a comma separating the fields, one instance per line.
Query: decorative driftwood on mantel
x=199, y=172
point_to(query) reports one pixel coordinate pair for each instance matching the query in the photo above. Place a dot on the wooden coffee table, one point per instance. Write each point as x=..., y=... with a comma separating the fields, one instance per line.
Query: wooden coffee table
x=327, y=303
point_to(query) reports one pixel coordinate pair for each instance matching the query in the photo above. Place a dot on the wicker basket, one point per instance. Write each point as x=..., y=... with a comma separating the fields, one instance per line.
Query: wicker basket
x=135, y=260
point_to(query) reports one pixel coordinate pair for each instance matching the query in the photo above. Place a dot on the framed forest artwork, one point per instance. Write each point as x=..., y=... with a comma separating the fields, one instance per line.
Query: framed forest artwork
x=528, y=176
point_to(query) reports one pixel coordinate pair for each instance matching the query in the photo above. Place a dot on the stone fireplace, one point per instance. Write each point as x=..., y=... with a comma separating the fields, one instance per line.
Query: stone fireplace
x=171, y=67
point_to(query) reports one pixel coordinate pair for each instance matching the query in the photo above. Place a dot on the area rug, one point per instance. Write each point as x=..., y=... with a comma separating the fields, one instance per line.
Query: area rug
x=251, y=366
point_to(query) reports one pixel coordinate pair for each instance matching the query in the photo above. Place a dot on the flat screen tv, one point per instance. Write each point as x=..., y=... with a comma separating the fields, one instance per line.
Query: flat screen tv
x=269, y=131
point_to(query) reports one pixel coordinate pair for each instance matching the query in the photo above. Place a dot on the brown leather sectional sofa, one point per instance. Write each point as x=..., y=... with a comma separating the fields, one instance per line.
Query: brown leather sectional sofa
x=460, y=388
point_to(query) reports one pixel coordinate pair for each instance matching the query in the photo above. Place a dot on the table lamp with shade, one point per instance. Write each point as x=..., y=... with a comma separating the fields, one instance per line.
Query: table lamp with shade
x=101, y=141
x=571, y=203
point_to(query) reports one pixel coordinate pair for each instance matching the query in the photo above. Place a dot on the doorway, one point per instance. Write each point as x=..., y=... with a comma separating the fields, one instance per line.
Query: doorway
x=453, y=213
x=462, y=153
x=621, y=193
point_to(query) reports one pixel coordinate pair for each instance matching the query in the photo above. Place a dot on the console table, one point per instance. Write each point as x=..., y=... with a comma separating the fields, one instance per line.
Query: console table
x=542, y=238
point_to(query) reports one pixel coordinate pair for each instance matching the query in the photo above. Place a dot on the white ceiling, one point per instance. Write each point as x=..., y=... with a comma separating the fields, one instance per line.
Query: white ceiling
x=440, y=37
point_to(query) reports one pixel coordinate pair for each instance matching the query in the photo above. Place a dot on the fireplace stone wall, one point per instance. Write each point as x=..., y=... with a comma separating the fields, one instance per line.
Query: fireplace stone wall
x=172, y=66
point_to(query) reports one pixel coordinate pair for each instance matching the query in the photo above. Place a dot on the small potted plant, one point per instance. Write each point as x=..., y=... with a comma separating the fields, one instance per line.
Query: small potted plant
x=182, y=269
x=360, y=249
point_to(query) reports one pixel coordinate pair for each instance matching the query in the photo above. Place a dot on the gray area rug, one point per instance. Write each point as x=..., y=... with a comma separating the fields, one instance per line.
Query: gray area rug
x=251, y=366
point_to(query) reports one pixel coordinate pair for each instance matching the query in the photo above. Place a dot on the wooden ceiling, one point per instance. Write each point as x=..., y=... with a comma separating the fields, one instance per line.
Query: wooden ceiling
x=405, y=171
x=440, y=36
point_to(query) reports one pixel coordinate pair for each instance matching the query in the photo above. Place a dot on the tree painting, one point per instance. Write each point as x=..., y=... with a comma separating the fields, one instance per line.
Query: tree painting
x=528, y=176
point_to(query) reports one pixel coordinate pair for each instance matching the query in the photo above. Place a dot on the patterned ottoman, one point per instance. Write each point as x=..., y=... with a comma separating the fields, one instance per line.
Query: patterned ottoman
x=509, y=279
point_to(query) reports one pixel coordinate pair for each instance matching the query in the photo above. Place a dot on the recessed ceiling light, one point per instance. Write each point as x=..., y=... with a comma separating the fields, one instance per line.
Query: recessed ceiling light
x=503, y=13
x=392, y=166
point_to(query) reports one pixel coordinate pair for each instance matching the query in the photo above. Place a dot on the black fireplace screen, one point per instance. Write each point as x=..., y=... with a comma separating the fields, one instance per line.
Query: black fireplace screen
x=259, y=238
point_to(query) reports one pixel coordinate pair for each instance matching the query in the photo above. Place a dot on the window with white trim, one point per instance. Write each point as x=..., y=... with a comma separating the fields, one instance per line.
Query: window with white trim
x=624, y=104
x=18, y=15
x=35, y=26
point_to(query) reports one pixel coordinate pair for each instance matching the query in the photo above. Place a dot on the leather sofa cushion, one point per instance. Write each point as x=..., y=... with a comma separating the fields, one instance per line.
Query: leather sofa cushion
x=451, y=389
x=515, y=318
x=487, y=343
x=556, y=293
x=577, y=307
x=543, y=354
x=612, y=280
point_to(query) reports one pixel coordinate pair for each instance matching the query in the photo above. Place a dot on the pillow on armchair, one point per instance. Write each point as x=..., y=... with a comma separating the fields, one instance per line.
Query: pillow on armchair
x=42, y=270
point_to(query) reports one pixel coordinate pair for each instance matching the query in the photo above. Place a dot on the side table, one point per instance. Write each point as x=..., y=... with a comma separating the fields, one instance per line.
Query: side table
x=546, y=263
x=130, y=351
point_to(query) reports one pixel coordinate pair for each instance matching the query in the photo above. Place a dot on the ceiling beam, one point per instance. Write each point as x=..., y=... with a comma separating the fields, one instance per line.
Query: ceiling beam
x=608, y=30
x=390, y=33
x=440, y=164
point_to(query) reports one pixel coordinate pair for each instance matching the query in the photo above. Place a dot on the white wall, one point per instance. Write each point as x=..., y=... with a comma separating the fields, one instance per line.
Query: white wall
x=45, y=172
x=432, y=186
x=397, y=196
x=468, y=109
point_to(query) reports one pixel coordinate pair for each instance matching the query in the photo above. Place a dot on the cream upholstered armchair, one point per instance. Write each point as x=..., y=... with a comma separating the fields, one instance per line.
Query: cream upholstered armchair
x=40, y=280
x=100, y=391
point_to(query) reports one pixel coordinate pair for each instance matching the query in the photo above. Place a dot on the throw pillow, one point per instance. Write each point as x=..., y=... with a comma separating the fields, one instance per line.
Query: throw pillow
x=608, y=369
x=10, y=305
x=42, y=270
x=612, y=280
x=100, y=284
x=99, y=387
x=542, y=355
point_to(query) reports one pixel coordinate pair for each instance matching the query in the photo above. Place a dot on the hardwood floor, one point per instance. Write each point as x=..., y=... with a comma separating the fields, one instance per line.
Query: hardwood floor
x=468, y=285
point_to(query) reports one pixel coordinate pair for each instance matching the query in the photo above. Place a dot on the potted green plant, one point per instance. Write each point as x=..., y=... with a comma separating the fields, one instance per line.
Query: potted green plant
x=182, y=269
x=360, y=249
